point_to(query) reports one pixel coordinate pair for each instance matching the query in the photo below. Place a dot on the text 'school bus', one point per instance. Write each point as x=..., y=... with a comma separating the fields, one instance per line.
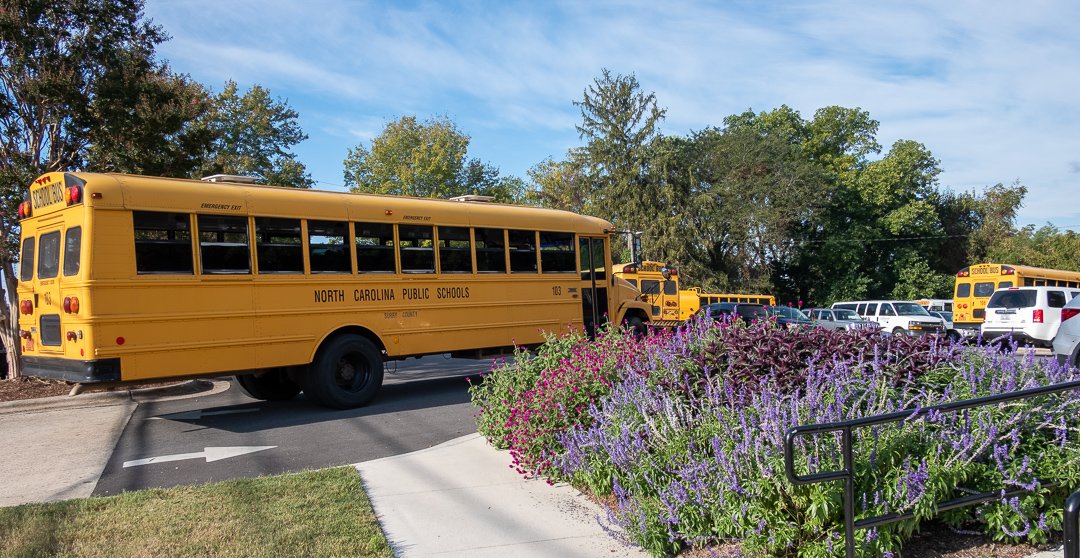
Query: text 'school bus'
x=133, y=278
x=670, y=303
x=976, y=283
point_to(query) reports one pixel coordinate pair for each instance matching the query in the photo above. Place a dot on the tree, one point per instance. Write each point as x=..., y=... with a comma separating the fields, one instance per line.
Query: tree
x=483, y=179
x=79, y=85
x=562, y=185
x=619, y=126
x=426, y=159
x=410, y=158
x=252, y=136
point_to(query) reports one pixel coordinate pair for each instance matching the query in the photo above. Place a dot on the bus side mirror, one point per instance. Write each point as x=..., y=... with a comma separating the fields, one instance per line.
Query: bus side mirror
x=666, y=273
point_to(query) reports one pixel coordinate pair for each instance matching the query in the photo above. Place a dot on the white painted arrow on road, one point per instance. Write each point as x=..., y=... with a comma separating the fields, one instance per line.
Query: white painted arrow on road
x=199, y=413
x=211, y=454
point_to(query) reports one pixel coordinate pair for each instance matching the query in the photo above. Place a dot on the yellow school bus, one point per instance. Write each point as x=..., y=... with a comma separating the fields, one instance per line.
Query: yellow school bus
x=976, y=283
x=669, y=304
x=132, y=278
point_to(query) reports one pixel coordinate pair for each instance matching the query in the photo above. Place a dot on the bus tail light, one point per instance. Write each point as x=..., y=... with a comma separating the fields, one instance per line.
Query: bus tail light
x=26, y=307
x=70, y=336
x=71, y=305
x=1067, y=313
x=1037, y=315
x=24, y=334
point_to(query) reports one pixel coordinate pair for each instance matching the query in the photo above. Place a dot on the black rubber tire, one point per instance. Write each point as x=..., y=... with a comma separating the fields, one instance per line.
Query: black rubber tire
x=953, y=336
x=899, y=332
x=270, y=385
x=347, y=373
x=635, y=325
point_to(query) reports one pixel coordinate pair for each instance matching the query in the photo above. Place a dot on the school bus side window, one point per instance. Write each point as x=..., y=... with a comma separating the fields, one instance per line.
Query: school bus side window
x=72, y=251
x=490, y=250
x=223, y=245
x=374, y=247
x=279, y=245
x=26, y=261
x=328, y=248
x=455, y=250
x=522, y=251
x=49, y=255
x=557, y=252
x=417, y=248
x=162, y=242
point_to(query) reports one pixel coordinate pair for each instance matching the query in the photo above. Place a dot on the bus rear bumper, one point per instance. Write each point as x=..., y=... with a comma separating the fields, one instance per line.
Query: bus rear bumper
x=79, y=371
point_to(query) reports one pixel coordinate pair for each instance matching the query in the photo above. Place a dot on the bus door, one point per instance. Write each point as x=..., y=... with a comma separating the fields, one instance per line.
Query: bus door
x=48, y=305
x=594, y=298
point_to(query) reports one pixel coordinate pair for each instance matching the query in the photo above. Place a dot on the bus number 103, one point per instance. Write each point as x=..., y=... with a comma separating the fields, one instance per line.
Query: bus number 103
x=556, y=290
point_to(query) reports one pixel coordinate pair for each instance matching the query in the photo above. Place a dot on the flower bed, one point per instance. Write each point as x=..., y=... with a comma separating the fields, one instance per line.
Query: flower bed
x=683, y=432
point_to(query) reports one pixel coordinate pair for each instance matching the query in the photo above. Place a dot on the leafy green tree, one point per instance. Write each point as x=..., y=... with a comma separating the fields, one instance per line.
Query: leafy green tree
x=427, y=159
x=562, y=185
x=619, y=126
x=80, y=86
x=915, y=279
x=252, y=136
x=410, y=158
x=483, y=179
x=995, y=213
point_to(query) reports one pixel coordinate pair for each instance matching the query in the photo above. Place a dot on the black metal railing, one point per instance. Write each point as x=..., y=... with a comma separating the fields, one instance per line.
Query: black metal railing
x=1072, y=526
x=847, y=473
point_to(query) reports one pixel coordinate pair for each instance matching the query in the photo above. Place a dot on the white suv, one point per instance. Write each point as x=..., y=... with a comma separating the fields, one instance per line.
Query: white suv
x=898, y=317
x=1067, y=340
x=1030, y=315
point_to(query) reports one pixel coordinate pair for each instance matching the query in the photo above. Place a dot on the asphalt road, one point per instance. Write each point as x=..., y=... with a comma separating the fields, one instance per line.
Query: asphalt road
x=422, y=403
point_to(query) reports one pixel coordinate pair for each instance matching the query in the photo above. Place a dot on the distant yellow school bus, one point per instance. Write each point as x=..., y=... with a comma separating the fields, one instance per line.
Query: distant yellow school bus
x=126, y=278
x=671, y=305
x=976, y=283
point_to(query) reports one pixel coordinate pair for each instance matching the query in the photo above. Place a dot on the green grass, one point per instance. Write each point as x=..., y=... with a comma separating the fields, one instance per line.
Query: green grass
x=316, y=513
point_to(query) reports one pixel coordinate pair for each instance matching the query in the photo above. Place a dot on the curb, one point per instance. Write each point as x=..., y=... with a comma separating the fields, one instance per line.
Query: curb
x=111, y=398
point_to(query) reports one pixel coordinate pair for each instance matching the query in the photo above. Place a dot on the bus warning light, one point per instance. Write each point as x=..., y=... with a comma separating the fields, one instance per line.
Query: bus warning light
x=72, y=195
x=119, y=340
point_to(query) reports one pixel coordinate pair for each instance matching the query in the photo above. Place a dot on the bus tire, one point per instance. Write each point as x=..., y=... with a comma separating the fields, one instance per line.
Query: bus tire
x=635, y=325
x=269, y=385
x=347, y=373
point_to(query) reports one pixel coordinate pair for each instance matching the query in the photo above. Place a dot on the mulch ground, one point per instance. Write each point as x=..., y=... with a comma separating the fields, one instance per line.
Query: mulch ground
x=14, y=389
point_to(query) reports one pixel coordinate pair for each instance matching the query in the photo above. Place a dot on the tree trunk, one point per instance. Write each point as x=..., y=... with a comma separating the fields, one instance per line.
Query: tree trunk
x=9, y=321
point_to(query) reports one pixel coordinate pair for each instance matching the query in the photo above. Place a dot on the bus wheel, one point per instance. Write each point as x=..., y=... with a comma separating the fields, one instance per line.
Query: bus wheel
x=635, y=326
x=347, y=373
x=269, y=385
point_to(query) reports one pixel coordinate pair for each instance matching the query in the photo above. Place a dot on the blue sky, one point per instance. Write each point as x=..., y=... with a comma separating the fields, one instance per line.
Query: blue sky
x=991, y=88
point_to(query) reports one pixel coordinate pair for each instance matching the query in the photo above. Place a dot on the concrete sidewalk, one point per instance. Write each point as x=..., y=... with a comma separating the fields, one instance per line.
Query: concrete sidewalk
x=55, y=448
x=461, y=498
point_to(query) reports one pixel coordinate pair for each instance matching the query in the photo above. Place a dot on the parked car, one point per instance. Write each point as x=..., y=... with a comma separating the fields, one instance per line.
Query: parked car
x=898, y=317
x=748, y=313
x=787, y=316
x=840, y=318
x=1067, y=341
x=951, y=332
x=1031, y=315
